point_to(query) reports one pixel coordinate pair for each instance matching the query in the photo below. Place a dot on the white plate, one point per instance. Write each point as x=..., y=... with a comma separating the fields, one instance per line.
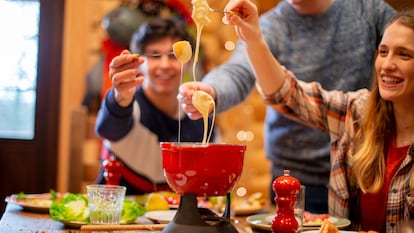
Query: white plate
x=161, y=216
x=241, y=206
x=33, y=202
x=263, y=222
x=247, y=210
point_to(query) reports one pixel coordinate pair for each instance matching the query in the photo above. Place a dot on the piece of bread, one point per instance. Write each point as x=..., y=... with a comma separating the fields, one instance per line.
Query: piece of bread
x=328, y=227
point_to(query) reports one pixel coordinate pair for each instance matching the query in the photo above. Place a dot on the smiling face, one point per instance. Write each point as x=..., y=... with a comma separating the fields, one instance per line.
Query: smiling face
x=162, y=70
x=394, y=64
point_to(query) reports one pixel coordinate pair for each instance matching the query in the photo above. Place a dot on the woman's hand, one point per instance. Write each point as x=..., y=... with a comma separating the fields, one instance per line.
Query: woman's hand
x=269, y=73
x=244, y=15
x=125, y=76
x=185, y=96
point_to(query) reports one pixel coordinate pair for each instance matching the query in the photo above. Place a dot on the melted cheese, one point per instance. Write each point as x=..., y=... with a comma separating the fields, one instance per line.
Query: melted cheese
x=200, y=12
x=203, y=102
x=200, y=17
x=182, y=51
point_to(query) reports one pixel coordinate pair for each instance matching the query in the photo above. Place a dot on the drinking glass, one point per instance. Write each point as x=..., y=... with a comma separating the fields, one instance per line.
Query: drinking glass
x=105, y=203
x=300, y=207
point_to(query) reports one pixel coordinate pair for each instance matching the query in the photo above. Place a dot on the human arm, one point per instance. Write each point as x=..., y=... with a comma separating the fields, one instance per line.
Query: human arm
x=114, y=118
x=269, y=73
x=307, y=103
x=113, y=121
x=232, y=82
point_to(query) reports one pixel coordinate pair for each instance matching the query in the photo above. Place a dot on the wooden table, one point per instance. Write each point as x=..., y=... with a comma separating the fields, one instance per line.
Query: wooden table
x=15, y=219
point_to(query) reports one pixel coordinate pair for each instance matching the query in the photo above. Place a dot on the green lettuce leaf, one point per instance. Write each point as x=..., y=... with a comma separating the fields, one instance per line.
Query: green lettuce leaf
x=131, y=211
x=73, y=207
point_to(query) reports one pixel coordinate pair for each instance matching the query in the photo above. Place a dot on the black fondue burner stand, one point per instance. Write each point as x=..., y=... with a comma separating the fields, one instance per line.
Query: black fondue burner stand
x=191, y=219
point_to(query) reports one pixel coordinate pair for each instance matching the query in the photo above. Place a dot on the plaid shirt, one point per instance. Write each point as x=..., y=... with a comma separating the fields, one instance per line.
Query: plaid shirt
x=339, y=113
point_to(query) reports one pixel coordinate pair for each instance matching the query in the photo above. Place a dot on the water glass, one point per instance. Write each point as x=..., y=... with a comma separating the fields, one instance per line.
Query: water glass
x=300, y=207
x=105, y=203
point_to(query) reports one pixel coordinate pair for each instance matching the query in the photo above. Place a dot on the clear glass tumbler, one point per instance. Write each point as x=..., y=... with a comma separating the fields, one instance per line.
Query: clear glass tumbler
x=105, y=203
x=300, y=207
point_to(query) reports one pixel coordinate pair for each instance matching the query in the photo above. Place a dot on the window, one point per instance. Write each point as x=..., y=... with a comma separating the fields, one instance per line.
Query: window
x=19, y=23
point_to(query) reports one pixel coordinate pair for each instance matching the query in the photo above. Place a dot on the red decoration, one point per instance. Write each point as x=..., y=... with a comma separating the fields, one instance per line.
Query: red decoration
x=112, y=172
x=286, y=188
x=182, y=9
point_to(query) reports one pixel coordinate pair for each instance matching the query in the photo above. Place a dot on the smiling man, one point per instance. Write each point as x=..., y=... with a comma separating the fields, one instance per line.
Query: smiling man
x=141, y=109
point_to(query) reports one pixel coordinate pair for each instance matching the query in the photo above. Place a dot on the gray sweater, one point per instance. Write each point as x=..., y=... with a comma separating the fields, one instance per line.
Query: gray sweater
x=336, y=48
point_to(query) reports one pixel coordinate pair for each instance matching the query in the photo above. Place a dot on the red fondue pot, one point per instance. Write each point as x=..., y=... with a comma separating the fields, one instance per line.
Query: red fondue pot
x=202, y=169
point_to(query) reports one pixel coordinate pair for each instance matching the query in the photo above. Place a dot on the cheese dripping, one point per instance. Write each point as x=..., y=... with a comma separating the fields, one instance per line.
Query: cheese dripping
x=200, y=17
x=201, y=100
x=182, y=51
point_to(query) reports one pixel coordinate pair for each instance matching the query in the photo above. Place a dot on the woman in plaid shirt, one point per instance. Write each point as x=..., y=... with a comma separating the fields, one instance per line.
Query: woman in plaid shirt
x=372, y=132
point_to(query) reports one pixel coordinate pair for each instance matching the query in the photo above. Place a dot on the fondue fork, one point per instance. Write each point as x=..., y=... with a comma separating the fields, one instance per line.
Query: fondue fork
x=225, y=13
x=219, y=11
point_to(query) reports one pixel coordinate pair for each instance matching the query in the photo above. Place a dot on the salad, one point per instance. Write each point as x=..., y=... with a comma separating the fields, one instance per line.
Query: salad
x=74, y=208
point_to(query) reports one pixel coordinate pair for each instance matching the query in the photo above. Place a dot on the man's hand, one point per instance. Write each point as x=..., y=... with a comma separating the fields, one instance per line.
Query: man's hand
x=185, y=96
x=125, y=76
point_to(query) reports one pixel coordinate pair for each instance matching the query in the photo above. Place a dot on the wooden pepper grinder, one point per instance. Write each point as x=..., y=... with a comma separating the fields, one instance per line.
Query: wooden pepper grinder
x=286, y=189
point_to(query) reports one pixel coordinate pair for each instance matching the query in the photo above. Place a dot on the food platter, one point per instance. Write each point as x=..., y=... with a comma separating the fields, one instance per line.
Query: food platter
x=247, y=210
x=243, y=207
x=32, y=202
x=263, y=222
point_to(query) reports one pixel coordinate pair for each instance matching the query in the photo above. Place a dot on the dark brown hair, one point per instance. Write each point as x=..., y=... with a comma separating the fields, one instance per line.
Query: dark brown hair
x=156, y=29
